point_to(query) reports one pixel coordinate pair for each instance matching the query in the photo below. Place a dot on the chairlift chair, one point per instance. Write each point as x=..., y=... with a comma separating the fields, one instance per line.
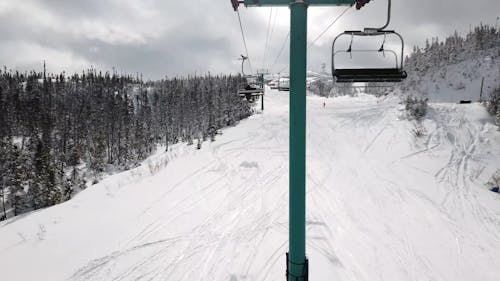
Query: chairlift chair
x=352, y=75
x=251, y=90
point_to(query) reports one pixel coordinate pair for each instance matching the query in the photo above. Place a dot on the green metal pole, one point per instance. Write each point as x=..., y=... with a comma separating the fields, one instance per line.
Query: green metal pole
x=297, y=184
x=296, y=267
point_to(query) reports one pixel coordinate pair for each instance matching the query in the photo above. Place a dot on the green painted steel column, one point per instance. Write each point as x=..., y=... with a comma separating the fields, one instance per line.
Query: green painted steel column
x=297, y=185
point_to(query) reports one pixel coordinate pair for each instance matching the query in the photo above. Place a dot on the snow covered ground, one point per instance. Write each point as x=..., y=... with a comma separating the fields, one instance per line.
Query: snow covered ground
x=382, y=204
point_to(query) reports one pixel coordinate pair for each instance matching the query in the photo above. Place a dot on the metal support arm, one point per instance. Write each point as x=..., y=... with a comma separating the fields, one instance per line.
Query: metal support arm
x=367, y=29
x=285, y=3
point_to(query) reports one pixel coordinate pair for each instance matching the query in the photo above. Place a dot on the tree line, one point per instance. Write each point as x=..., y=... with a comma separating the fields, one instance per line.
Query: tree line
x=482, y=42
x=59, y=131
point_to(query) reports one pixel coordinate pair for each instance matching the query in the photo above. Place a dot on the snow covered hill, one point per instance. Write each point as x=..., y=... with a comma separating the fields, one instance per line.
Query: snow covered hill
x=382, y=204
x=459, y=81
x=454, y=69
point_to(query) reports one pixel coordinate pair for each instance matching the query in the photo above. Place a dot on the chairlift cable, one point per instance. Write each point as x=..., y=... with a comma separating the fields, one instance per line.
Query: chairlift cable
x=244, y=41
x=267, y=37
x=284, y=68
x=329, y=26
x=281, y=50
x=272, y=31
x=320, y=35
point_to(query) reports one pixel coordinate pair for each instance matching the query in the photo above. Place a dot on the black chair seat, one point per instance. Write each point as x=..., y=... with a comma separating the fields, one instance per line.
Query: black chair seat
x=369, y=75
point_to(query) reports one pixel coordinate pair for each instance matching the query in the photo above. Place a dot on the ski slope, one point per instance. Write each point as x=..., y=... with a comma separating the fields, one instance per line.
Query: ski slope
x=381, y=204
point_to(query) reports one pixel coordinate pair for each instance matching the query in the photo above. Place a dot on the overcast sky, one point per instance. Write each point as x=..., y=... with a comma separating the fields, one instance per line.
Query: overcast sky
x=167, y=37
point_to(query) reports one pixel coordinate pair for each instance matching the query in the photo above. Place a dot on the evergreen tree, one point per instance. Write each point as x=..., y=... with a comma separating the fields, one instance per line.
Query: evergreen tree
x=67, y=127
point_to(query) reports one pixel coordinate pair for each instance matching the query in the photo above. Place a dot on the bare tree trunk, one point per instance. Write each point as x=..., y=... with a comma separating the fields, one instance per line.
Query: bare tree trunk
x=3, y=202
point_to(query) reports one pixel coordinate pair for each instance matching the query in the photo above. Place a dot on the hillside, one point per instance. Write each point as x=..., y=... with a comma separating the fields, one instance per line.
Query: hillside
x=452, y=69
x=382, y=204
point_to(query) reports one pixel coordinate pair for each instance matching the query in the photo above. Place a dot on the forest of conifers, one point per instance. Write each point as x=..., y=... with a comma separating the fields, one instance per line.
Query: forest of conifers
x=59, y=131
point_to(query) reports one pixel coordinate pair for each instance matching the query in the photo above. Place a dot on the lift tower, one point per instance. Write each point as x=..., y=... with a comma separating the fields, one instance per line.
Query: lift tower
x=297, y=267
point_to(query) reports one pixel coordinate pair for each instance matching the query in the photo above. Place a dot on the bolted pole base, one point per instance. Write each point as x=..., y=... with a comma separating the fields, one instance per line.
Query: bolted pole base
x=302, y=277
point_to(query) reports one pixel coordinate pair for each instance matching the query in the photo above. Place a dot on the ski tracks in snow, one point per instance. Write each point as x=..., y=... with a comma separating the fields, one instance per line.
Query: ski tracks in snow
x=381, y=204
x=240, y=200
x=464, y=137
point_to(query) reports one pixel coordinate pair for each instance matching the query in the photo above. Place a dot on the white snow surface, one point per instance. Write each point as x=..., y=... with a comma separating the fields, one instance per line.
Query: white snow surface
x=381, y=204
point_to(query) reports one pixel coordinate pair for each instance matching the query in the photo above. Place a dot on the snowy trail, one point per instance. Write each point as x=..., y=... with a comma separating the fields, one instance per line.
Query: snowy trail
x=381, y=205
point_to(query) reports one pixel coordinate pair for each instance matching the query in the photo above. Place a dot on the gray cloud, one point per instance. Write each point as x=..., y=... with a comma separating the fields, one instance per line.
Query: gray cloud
x=167, y=37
